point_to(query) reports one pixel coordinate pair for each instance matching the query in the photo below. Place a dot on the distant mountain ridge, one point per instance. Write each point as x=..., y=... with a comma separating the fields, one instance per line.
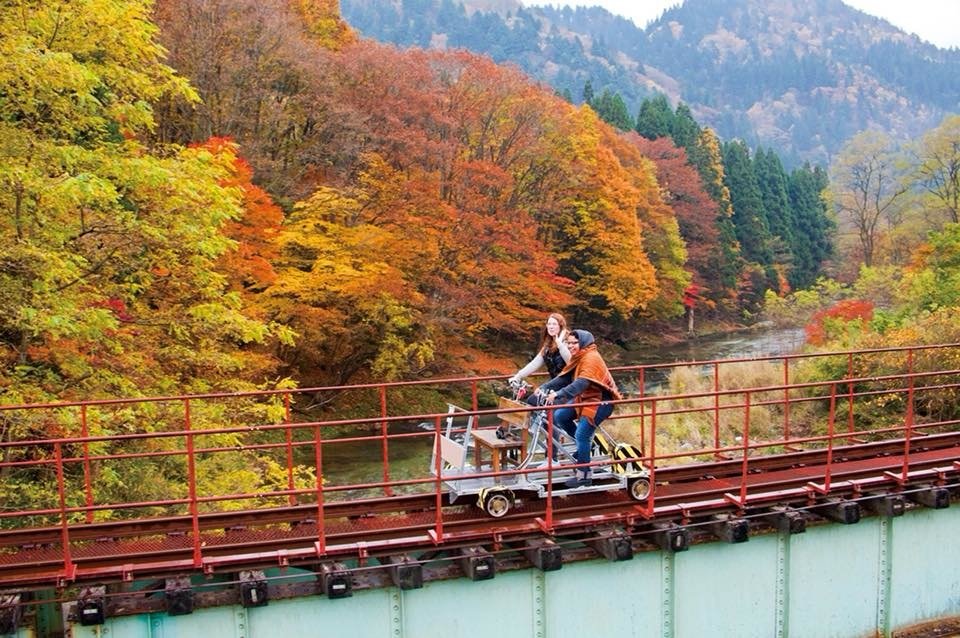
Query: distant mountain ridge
x=799, y=76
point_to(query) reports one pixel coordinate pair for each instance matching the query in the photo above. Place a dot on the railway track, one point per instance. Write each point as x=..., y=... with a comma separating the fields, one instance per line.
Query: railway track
x=290, y=535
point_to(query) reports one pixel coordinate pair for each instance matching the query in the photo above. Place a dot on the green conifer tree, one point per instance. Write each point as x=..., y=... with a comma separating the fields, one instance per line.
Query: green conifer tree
x=749, y=217
x=655, y=118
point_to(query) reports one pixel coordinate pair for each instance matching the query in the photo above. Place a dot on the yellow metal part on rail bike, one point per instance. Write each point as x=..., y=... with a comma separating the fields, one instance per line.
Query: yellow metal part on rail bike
x=620, y=451
x=495, y=501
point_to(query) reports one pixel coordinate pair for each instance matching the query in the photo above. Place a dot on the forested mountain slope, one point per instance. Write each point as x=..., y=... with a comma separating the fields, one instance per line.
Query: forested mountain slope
x=795, y=75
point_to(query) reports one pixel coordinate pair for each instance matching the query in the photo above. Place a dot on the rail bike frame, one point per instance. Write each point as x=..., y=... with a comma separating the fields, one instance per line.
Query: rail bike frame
x=615, y=466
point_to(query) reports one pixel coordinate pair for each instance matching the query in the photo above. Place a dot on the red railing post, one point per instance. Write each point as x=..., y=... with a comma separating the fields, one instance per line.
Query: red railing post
x=192, y=485
x=652, y=459
x=716, y=406
x=291, y=498
x=438, y=455
x=786, y=399
x=643, y=422
x=384, y=446
x=830, y=436
x=548, y=511
x=746, y=449
x=87, y=481
x=68, y=566
x=318, y=464
x=908, y=419
x=850, y=427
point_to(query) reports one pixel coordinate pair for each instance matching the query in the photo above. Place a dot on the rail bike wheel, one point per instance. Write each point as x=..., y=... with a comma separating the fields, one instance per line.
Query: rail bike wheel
x=497, y=503
x=639, y=488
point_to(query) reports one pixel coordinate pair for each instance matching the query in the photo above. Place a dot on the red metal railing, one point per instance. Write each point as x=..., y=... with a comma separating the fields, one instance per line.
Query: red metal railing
x=226, y=432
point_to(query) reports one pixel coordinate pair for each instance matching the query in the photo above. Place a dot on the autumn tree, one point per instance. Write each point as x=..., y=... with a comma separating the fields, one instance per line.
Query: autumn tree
x=341, y=285
x=937, y=170
x=263, y=80
x=323, y=21
x=110, y=283
x=865, y=190
x=111, y=245
x=592, y=224
x=247, y=264
x=511, y=159
x=661, y=238
x=931, y=282
x=707, y=157
x=696, y=213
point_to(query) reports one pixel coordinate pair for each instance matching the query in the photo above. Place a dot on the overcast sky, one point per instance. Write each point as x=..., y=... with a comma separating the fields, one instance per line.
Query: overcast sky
x=937, y=21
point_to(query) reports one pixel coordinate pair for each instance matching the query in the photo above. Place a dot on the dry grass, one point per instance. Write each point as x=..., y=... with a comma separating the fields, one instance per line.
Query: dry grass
x=690, y=428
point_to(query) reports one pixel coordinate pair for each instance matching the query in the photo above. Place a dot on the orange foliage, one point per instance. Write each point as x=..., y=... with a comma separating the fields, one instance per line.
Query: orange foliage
x=697, y=214
x=819, y=329
x=661, y=239
x=248, y=266
x=490, y=201
x=453, y=202
x=458, y=140
x=594, y=216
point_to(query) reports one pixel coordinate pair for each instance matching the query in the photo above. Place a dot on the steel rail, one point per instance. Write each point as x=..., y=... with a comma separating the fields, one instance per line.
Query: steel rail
x=411, y=502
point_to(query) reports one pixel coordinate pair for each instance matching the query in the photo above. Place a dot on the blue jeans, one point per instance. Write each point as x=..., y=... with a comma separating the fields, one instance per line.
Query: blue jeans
x=580, y=429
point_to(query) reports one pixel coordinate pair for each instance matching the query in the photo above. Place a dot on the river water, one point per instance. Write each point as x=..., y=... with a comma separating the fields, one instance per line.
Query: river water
x=756, y=342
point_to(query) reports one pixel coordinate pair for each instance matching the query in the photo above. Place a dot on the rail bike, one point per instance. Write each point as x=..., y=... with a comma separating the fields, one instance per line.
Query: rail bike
x=516, y=460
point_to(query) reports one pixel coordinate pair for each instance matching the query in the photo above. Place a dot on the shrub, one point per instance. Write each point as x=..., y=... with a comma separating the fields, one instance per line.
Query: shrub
x=840, y=322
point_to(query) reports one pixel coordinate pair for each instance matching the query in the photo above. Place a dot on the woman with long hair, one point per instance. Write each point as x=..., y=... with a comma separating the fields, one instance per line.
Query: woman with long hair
x=552, y=351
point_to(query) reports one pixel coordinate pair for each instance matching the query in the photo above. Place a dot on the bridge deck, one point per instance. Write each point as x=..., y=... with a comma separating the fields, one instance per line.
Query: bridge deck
x=883, y=420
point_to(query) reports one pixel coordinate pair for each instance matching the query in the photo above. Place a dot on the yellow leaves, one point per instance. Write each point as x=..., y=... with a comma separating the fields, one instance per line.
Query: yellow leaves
x=323, y=20
x=327, y=205
x=325, y=238
x=330, y=261
x=108, y=279
x=341, y=285
x=78, y=67
x=397, y=354
x=607, y=221
x=92, y=217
